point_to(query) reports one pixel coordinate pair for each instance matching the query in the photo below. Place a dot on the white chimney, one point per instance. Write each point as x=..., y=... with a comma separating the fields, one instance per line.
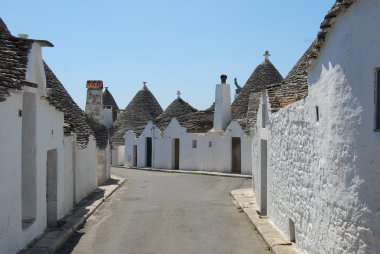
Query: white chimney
x=222, y=114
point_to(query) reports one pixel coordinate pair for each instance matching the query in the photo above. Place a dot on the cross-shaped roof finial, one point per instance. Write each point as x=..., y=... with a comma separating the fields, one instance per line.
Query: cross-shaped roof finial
x=179, y=94
x=267, y=55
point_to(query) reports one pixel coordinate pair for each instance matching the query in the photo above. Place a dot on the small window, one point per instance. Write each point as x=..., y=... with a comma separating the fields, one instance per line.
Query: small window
x=377, y=101
x=194, y=144
x=317, y=113
x=209, y=144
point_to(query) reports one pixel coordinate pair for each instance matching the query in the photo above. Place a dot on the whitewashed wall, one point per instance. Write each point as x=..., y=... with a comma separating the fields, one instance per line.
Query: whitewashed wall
x=118, y=153
x=49, y=135
x=216, y=158
x=107, y=117
x=86, y=169
x=325, y=175
x=69, y=169
x=103, y=165
x=10, y=180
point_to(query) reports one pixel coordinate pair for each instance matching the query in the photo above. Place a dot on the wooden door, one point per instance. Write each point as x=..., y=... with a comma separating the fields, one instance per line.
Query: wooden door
x=148, y=152
x=176, y=153
x=236, y=155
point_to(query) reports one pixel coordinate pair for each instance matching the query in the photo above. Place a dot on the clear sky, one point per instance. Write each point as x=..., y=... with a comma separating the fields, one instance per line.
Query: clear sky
x=173, y=45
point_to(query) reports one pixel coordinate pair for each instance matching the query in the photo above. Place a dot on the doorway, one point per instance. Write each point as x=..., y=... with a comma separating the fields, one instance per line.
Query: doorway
x=264, y=178
x=236, y=155
x=134, y=156
x=51, y=188
x=175, y=153
x=148, y=144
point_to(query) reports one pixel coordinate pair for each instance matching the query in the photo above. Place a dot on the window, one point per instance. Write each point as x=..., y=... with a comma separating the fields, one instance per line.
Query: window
x=209, y=144
x=317, y=113
x=377, y=100
x=194, y=144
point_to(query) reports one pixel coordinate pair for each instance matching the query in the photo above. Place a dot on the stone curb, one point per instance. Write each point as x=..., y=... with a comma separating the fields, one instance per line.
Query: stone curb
x=277, y=242
x=53, y=239
x=193, y=172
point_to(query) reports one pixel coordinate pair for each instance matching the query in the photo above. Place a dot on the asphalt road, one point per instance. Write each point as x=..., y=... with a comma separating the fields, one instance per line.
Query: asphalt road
x=155, y=212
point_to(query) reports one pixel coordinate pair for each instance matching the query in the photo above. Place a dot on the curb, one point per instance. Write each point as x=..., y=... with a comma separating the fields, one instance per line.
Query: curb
x=192, y=172
x=52, y=239
x=276, y=241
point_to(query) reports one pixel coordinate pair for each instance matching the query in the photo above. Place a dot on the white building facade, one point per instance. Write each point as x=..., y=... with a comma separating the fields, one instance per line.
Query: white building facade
x=48, y=152
x=316, y=161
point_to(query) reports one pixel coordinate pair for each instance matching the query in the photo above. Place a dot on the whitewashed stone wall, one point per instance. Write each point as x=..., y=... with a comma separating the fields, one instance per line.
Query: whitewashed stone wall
x=107, y=116
x=103, y=164
x=49, y=135
x=86, y=169
x=69, y=169
x=324, y=175
x=118, y=153
x=10, y=180
x=216, y=158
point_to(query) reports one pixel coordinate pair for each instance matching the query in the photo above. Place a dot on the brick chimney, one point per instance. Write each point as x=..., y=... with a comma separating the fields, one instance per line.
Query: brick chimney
x=94, y=102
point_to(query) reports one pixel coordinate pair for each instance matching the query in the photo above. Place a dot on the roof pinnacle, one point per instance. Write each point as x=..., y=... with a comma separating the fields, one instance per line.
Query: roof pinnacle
x=144, y=86
x=179, y=94
x=267, y=55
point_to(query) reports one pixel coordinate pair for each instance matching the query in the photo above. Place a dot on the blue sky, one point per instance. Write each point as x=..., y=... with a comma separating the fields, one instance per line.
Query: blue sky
x=173, y=45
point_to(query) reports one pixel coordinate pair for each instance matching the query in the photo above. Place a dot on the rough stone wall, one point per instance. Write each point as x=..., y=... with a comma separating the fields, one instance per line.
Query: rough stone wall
x=94, y=104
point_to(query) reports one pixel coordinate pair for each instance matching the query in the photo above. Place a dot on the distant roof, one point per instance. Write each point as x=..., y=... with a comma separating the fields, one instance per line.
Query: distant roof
x=176, y=109
x=198, y=122
x=143, y=108
x=108, y=99
x=265, y=74
x=75, y=118
x=295, y=86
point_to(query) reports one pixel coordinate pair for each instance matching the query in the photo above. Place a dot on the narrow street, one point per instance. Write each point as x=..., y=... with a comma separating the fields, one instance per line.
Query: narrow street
x=156, y=212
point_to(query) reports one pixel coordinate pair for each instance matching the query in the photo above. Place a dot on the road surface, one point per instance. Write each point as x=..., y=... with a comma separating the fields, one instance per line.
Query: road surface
x=156, y=212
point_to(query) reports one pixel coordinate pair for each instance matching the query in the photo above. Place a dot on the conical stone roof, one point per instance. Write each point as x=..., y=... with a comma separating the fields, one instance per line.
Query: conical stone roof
x=176, y=109
x=143, y=108
x=108, y=99
x=264, y=75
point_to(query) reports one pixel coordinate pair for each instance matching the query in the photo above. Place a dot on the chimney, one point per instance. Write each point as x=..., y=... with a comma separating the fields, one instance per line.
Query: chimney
x=94, y=102
x=222, y=114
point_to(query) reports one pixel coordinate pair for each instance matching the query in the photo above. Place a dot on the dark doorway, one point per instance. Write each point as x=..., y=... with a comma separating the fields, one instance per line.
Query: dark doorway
x=176, y=153
x=51, y=188
x=264, y=178
x=148, y=152
x=134, y=156
x=236, y=155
